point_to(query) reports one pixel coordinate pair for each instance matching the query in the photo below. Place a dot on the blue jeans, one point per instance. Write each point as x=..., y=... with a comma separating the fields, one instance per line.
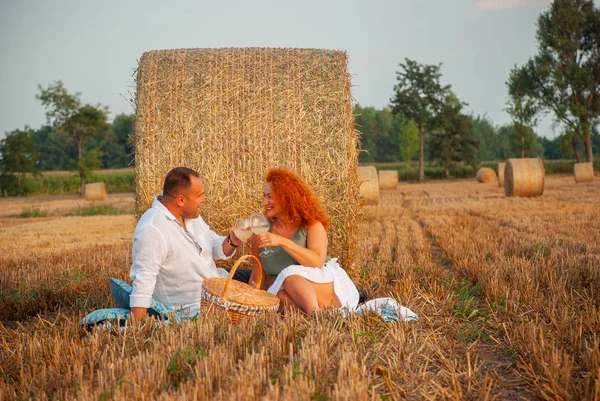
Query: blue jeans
x=241, y=275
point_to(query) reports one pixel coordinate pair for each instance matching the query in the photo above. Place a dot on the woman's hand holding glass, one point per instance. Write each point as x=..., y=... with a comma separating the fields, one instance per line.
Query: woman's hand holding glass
x=269, y=239
x=260, y=225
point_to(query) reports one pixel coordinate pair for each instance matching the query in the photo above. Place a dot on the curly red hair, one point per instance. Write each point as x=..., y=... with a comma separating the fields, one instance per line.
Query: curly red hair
x=295, y=198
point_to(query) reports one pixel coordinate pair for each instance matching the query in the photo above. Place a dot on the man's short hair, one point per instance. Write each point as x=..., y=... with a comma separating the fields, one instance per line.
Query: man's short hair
x=177, y=180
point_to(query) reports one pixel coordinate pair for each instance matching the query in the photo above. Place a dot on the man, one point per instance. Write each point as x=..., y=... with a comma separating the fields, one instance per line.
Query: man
x=174, y=249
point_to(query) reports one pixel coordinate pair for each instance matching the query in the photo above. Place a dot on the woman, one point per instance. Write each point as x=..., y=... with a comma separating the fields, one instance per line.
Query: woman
x=299, y=272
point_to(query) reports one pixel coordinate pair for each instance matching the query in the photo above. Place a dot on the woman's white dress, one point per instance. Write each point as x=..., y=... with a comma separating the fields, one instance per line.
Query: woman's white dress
x=331, y=271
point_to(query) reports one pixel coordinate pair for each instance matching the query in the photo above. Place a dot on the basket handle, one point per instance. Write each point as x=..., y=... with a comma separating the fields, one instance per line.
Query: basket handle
x=234, y=268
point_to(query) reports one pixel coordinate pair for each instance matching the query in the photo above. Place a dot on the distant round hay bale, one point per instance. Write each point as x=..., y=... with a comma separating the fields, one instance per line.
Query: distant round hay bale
x=486, y=175
x=95, y=191
x=369, y=184
x=501, y=167
x=388, y=179
x=524, y=177
x=583, y=172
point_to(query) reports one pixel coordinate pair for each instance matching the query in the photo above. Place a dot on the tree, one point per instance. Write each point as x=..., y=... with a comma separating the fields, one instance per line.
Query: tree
x=80, y=123
x=596, y=140
x=53, y=150
x=568, y=66
x=505, y=138
x=386, y=139
x=552, y=148
x=114, y=155
x=510, y=143
x=378, y=130
x=365, y=122
x=418, y=95
x=122, y=127
x=537, y=147
x=18, y=154
x=522, y=138
x=522, y=102
x=483, y=131
x=409, y=141
x=451, y=140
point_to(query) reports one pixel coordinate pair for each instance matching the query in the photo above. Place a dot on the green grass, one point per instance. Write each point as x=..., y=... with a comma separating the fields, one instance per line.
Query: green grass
x=121, y=181
x=432, y=171
x=28, y=213
x=104, y=210
x=68, y=183
x=552, y=166
x=76, y=276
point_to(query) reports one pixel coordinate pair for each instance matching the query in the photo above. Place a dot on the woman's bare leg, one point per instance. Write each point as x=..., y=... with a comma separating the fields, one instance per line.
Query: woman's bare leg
x=309, y=296
x=301, y=293
x=325, y=295
x=285, y=301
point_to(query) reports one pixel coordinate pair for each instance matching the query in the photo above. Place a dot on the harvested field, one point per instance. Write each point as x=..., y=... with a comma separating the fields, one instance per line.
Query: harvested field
x=62, y=205
x=507, y=290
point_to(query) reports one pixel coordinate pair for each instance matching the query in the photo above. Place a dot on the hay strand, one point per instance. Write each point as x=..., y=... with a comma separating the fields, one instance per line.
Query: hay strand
x=583, y=172
x=486, y=175
x=231, y=114
x=524, y=177
x=388, y=179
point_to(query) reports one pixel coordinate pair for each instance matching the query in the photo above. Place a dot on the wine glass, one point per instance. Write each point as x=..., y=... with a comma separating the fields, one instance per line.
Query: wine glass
x=242, y=229
x=260, y=225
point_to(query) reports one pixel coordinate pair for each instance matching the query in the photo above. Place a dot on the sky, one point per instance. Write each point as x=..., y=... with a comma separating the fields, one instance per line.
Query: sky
x=94, y=47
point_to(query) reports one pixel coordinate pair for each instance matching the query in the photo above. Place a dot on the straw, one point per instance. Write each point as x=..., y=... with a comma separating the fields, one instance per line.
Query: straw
x=95, y=191
x=501, y=167
x=583, y=172
x=231, y=114
x=486, y=175
x=369, y=185
x=388, y=179
x=524, y=177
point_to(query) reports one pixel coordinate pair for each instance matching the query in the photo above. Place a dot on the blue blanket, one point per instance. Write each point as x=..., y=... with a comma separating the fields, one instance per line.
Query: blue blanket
x=387, y=308
x=120, y=291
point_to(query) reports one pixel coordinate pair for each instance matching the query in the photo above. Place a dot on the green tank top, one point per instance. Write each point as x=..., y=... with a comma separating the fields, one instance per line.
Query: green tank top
x=274, y=264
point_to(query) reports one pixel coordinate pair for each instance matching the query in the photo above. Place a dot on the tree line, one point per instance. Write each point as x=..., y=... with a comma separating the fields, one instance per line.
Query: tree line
x=562, y=80
x=425, y=119
x=386, y=138
x=76, y=136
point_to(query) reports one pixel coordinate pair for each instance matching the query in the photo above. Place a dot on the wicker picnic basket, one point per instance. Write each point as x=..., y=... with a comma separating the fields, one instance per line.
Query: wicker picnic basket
x=238, y=299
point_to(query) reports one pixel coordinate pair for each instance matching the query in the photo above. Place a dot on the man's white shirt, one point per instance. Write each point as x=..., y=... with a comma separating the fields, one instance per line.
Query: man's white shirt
x=170, y=263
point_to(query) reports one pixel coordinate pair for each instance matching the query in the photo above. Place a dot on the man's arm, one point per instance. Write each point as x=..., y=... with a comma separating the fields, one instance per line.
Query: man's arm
x=229, y=246
x=148, y=255
x=221, y=248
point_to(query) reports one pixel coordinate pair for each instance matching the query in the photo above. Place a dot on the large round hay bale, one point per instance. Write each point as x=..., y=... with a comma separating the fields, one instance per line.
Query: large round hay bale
x=584, y=172
x=524, y=177
x=231, y=114
x=486, y=175
x=388, y=179
x=369, y=185
x=501, y=167
x=95, y=191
